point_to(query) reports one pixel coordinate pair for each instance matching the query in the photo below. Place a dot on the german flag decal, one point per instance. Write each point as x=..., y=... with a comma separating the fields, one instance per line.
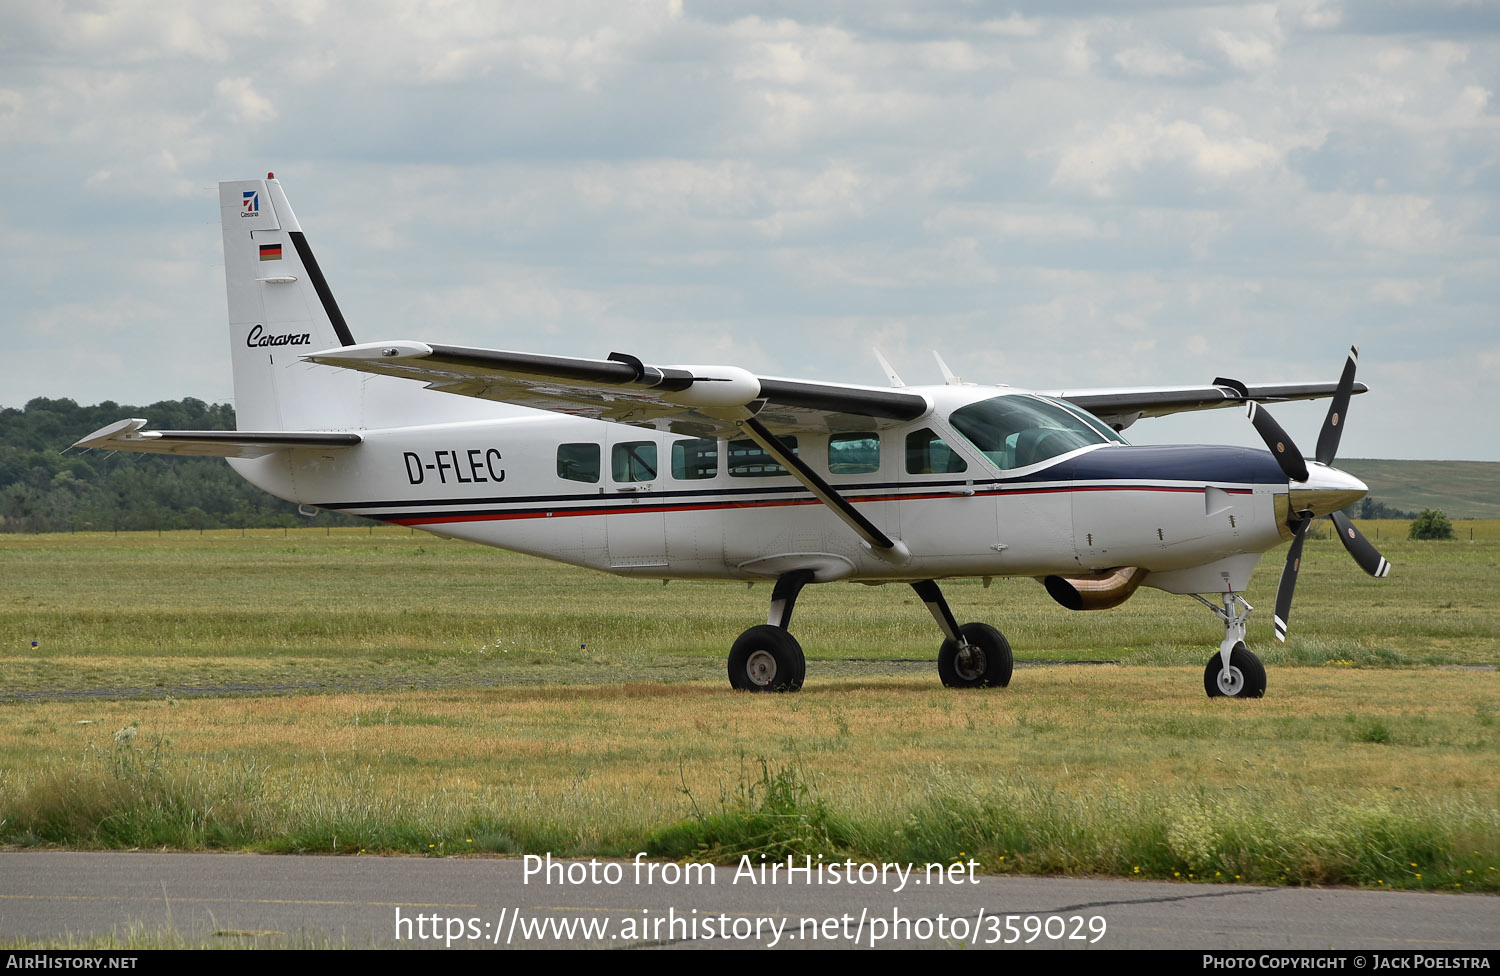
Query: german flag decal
x=270, y=252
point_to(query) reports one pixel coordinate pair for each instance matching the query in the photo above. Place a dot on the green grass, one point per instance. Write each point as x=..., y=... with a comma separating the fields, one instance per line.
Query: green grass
x=388, y=692
x=138, y=614
x=139, y=936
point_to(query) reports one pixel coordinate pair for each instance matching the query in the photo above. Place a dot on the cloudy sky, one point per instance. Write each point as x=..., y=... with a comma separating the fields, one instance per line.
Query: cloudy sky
x=1051, y=194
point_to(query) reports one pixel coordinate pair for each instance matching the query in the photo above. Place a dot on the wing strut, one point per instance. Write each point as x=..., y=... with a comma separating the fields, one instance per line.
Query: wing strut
x=882, y=544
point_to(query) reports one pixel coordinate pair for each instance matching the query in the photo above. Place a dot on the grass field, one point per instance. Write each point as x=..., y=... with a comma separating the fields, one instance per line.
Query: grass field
x=1462, y=489
x=383, y=691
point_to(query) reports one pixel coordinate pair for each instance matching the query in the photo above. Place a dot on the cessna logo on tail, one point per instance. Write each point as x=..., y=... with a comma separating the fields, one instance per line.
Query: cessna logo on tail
x=258, y=337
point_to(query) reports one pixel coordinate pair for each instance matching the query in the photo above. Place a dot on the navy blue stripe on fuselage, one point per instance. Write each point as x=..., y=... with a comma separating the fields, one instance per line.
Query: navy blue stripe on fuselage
x=1206, y=464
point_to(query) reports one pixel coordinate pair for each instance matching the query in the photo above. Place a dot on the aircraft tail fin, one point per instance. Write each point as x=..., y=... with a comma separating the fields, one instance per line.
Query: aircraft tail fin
x=281, y=308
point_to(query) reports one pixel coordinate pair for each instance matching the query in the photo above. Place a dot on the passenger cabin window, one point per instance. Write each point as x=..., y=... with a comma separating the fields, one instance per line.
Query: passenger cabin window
x=633, y=461
x=748, y=460
x=696, y=459
x=1020, y=430
x=578, y=462
x=854, y=453
x=927, y=453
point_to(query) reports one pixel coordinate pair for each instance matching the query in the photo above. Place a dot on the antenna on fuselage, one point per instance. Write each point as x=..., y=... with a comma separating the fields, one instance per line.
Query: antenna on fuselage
x=890, y=373
x=948, y=376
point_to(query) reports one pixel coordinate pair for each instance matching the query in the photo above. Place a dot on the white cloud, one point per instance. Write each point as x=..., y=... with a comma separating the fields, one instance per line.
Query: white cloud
x=1246, y=52
x=1152, y=60
x=1076, y=54
x=244, y=103
x=1402, y=223
x=1316, y=15
x=1095, y=158
x=1013, y=25
x=1193, y=188
x=1020, y=223
x=779, y=62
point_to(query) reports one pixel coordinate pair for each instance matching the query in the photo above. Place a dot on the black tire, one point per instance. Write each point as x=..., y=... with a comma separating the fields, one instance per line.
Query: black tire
x=766, y=658
x=990, y=663
x=1248, y=675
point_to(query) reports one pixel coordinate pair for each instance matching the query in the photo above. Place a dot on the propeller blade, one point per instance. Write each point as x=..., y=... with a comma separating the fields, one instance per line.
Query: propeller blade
x=1333, y=424
x=1359, y=547
x=1276, y=439
x=1289, y=577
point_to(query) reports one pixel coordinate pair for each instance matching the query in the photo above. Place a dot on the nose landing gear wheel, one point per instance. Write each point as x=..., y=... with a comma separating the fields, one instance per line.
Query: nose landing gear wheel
x=1244, y=678
x=985, y=663
x=766, y=658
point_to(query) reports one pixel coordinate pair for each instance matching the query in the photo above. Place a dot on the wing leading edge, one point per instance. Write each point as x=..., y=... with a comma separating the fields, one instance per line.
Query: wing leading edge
x=1123, y=406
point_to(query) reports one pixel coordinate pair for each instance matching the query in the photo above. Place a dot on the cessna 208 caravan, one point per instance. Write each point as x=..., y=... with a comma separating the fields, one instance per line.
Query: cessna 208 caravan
x=713, y=472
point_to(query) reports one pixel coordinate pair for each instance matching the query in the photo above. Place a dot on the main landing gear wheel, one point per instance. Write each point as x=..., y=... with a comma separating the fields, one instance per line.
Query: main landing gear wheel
x=1246, y=677
x=766, y=658
x=985, y=663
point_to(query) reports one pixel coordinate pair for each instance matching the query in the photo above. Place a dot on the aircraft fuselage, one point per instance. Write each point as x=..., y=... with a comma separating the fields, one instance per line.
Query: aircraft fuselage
x=632, y=501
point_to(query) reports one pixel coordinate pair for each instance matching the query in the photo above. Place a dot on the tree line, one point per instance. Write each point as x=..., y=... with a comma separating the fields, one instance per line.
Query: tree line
x=45, y=487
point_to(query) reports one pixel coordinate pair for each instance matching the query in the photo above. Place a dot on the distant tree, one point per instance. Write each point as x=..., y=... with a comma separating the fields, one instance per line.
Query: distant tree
x=43, y=489
x=1369, y=508
x=1430, y=524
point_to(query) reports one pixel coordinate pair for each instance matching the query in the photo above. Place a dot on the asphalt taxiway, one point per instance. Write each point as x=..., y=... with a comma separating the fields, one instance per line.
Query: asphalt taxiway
x=364, y=901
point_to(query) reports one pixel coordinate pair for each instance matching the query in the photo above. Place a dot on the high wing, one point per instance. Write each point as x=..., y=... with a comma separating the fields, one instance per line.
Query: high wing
x=127, y=435
x=702, y=401
x=705, y=401
x=1122, y=406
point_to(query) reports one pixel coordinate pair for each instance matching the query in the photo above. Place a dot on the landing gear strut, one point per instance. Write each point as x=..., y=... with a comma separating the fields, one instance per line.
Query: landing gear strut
x=972, y=656
x=768, y=658
x=1234, y=672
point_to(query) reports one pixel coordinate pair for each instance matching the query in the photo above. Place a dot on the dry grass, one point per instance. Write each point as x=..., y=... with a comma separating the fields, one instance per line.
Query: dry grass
x=899, y=767
x=1077, y=727
x=492, y=743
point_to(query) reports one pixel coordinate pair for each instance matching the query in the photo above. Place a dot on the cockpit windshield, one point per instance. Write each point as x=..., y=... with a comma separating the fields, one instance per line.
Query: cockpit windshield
x=1020, y=430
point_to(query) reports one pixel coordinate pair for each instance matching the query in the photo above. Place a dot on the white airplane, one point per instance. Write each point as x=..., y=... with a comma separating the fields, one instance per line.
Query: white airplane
x=712, y=472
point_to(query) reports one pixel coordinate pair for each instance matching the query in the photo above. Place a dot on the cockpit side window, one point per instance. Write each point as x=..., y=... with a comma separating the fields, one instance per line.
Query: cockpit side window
x=928, y=453
x=1018, y=431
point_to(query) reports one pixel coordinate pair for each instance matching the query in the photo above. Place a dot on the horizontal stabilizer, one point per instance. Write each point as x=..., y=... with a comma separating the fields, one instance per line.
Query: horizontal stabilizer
x=127, y=435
